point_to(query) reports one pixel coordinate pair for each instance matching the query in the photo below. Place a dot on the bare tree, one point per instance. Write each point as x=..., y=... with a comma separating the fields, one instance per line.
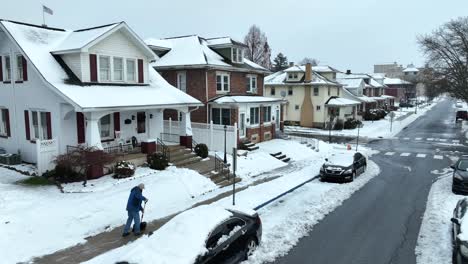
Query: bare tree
x=258, y=49
x=447, y=55
x=312, y=61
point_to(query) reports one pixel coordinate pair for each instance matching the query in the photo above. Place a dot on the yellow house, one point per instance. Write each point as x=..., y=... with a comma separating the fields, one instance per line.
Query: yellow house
x=312, y=95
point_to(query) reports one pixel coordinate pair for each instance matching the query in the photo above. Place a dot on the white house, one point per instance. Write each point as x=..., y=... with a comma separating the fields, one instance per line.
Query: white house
x=90, y=86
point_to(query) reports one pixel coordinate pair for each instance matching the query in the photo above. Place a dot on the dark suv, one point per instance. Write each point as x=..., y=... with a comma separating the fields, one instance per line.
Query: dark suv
x=460, y=176
x=343, y=166
x=460, y=247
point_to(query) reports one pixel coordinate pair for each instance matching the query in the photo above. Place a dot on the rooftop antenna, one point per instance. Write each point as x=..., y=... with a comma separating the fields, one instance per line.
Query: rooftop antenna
x=47, y=10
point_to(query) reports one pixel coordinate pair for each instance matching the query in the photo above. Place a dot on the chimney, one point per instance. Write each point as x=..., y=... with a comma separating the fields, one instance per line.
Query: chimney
x=308, y=73
x=348, y=72
x=291, y=63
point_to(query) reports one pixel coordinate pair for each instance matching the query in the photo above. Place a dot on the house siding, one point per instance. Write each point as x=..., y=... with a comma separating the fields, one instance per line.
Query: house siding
x=73, y=61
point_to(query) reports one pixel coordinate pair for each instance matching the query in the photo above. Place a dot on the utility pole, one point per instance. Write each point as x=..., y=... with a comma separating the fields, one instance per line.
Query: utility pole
x=234, y=168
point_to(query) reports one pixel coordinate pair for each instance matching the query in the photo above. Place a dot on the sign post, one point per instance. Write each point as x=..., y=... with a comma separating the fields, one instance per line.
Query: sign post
x=392, y=116
x=234, y=168
x=357, y=141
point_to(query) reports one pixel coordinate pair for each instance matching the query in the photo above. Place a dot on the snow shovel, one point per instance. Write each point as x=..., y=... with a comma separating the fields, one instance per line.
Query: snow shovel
x=142, y=224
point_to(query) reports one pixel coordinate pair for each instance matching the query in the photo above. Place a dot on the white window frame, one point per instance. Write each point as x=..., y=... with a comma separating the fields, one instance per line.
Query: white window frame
x=114, y=69
x=182, y=84
x=135, y=70
x=237, y=55
x=3, y=124
x=111, y=127
x=42, y=131
x=109, y=69
x=266, y=109
x=316, y=88
x=252, y=79
x=19, y=70
x=223, y=82
x=255, y=119
x=7, y=68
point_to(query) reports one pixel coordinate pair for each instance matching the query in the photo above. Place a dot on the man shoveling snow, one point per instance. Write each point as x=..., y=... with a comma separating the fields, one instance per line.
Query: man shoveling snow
x=133, y=209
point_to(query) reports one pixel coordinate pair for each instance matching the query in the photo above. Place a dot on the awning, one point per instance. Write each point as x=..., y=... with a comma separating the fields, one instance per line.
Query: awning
x=338, y=101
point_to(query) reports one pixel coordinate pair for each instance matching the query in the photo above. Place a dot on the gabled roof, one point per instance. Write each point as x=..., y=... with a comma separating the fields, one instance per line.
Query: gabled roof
x=224, y=41
x=395, y=81
x=36, y=44
x=279, y=78
x=351, y=83
x=339, y=101
x=195, y=51
x=81, y=40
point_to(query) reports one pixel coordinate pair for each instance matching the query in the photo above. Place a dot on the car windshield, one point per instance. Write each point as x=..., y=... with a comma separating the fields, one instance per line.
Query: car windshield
x=463, y=165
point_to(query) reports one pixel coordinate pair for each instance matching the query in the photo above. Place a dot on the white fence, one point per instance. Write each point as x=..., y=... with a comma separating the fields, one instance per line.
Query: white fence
x=47, y=150
x=210, y=134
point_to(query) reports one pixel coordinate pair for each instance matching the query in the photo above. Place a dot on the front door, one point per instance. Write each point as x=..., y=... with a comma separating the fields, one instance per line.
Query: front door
x=278, y=119
x=141, y=122
x=242, y=125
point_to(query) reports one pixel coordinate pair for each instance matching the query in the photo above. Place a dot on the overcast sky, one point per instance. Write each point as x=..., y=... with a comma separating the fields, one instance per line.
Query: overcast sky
x=347, y=34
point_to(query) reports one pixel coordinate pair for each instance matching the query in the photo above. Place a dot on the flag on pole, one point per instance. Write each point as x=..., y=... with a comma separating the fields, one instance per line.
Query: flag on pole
x=47, y=10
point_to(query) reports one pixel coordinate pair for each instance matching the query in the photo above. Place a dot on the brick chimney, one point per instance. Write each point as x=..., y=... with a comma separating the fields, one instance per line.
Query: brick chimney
x=308, y=73
x=291, y=63
x=348, y=72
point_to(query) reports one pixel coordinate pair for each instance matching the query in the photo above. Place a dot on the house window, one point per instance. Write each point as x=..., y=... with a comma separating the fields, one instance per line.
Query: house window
x=131, y=70
x=318, y=107
x=296, y=107
x=316, y=91
x=338, y=91
x=290, y=91
x=106, y=127
x=4, y=122
x=182, y=81
x=141, y=122
x=295, y=75
x=221, y=116
x=254, y=116
x=19, y=67
x=104, y=68
x=7, y=73
x=39, y=124
x=252, y=84
x=328, y=90
x=290, y=76
x=222, y=82
x=272, y=91
x=267, y=114
x=237, y=55
x=118, y=69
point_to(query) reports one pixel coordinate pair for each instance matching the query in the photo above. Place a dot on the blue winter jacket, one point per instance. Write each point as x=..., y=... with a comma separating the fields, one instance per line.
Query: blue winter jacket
x=135, y=199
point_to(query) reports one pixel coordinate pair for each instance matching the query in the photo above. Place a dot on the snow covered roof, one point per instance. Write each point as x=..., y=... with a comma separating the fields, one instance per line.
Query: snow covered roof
x=180, y=241
x=366, y=99
x=411, y=68
x=223, y=41
x=37, y=43
x=236, y=99
x=387, y=96
x=159, y=43
x=318, y=68
x=378, y=98
x=395, y=81
x=350, y=83
x=196, y=51
x=279, y=78
x=339, y=101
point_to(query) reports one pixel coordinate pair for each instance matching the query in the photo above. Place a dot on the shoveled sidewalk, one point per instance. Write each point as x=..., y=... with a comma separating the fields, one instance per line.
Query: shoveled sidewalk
x=103, y=242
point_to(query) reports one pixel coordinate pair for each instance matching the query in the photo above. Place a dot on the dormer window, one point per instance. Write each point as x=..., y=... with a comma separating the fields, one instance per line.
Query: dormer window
x=237, y=55
x=104, y=68
x=19, y=68
x=7, y=72
x=295, y=75
x=118, y=69
x=290, y=76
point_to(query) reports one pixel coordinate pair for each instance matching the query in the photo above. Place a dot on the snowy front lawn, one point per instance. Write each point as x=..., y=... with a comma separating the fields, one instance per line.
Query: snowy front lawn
x=434, y=244
x=40, y=220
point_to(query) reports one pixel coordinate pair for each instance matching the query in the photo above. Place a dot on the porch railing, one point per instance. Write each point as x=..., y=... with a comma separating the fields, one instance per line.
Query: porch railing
x=222, y=167
x=164, y=149
x=168, y=137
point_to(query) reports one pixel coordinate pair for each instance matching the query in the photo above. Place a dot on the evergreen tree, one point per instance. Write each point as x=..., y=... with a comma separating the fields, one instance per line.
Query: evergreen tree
x=280, y=62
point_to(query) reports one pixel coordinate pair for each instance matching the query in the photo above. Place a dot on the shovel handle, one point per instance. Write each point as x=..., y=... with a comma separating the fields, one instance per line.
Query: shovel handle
x=143, y=214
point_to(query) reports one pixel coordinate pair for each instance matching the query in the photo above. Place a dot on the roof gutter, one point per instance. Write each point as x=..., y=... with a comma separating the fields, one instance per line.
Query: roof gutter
x=140, y=107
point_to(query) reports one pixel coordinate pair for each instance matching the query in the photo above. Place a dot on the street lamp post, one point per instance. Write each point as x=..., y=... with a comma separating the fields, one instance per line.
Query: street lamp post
x=357, y=140
x=329, y=130
x=225, y=155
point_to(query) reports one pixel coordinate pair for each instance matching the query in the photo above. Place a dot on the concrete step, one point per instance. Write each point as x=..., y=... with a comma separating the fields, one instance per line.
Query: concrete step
x=187, y=161
x=227, y=183
x=276, y=154
x=182, y=157
x=175, y=147
x=252, y=148
x=286, y=159
x=179, y=153
x=249, y=144
x=281, y=157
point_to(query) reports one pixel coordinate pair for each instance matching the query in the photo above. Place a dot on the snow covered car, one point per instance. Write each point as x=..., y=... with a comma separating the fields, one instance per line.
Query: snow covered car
x=206, y=234
x=460, y=233
x=343, y=166
x=460, y=175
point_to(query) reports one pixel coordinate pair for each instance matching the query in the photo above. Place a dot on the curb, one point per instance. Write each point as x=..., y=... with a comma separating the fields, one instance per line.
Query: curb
x=286, y=192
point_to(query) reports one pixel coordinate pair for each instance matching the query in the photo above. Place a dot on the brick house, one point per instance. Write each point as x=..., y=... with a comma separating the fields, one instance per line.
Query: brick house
x=231, y=87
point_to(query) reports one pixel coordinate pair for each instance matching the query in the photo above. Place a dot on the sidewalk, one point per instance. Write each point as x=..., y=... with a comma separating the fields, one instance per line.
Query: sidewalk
x=103, y=242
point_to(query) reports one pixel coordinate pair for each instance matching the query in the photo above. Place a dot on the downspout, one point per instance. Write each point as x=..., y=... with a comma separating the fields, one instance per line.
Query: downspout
x=17, y=133
x=206, y=96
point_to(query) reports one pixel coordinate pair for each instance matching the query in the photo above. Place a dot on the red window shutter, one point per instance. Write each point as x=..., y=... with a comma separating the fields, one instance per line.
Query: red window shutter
x=1, y=69
x=93, y=67
x=141, y=78
x=116, y=122
x=49, y=125
x=26, y=124
x=7, y=121
x=80, y=126
x=25, y=69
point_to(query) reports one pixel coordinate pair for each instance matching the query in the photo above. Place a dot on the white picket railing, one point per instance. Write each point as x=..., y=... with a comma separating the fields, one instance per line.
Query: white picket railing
x=210, y=134
x=47, y=151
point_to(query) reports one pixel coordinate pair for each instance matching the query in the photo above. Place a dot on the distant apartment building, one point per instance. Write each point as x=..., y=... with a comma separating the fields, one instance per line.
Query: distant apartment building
x=392, y=70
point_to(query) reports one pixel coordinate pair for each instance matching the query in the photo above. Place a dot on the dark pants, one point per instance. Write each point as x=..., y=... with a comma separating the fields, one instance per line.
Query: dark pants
x=133, y=216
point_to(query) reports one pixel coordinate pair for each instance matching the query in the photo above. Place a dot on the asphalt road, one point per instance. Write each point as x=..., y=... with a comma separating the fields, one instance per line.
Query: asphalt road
x=380, y=223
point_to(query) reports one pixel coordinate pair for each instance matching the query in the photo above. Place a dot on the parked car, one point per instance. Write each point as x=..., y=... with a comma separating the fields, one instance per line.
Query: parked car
x=461, y=115
x=460, y=176
x=459, y=104
x=343, y=166
x=405, y=104
x=460, y=242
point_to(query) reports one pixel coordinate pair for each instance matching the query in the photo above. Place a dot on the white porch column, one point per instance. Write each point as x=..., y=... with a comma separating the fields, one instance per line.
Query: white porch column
x=93, y=136
x=185, y=124
x=156, y=124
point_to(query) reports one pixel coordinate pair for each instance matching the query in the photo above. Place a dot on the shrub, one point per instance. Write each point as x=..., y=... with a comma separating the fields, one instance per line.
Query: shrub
x=64, y=174
x=370, y=115
x=123, y=169
x=351, y=123
x=36, y=181
x=157, y=161
x=338, y=125
x=201, y=150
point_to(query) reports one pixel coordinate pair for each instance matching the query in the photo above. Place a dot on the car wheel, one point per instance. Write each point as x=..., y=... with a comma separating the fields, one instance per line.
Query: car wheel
x=354, y=176
x=250, y=247
x=454, y=191
x=456, y=256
